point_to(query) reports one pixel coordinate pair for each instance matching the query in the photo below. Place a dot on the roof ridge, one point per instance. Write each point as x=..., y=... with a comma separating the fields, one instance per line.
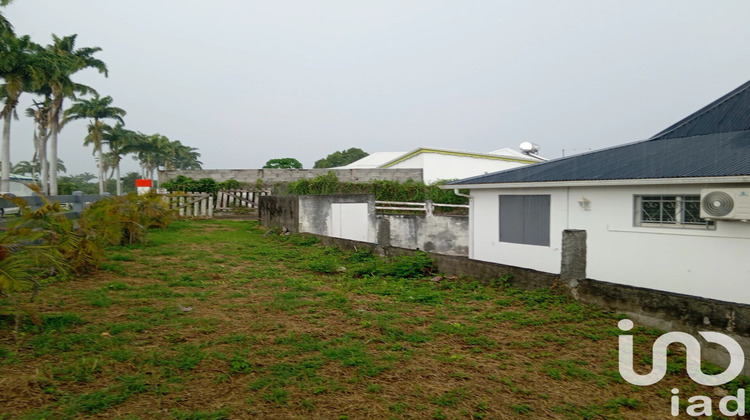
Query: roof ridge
x=696, y=135
x=551, y=161
x=703, y=111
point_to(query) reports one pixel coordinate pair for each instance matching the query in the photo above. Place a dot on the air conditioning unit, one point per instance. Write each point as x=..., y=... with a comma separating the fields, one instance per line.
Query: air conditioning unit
x=726, y=204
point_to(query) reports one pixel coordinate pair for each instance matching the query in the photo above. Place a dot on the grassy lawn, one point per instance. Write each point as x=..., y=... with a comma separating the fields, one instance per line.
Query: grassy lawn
x=215, y=319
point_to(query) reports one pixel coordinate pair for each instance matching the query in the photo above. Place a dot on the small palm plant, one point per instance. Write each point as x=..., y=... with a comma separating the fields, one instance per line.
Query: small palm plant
x=126, y=219
x=44, y=243
x=32, y=248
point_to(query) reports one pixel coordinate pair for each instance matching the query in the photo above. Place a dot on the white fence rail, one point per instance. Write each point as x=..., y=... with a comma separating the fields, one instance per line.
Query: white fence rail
x=428, y=207
x=196, y=204
x=191, y=204
x=227, y=199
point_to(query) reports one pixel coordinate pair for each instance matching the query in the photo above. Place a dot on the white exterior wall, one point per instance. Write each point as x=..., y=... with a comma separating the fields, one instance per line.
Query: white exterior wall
x=316, y=215
x=437, y=166
x=485, y=242
x=707, y=263
x=712, y=264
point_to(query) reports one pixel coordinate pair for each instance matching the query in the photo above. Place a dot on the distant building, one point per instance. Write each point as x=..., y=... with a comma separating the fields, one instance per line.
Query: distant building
x=444, y=164
x=18, y=185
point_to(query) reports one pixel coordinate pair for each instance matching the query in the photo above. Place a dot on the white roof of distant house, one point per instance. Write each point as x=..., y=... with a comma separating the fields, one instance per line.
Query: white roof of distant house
x=374, y=160
x=386, y=159
x=507, y=154
x=507, y=151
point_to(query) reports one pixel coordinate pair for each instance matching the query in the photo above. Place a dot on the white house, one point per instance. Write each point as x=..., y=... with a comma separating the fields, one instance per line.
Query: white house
x=440, y=164
x=18, y=185
x=640, y=205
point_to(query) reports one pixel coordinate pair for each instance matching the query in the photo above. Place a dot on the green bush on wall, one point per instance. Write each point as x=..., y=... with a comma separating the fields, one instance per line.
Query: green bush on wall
x=409, y=191
x=204, y=185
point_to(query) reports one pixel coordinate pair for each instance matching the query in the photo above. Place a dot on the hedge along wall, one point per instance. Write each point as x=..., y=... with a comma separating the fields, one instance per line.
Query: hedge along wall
x=409, y=191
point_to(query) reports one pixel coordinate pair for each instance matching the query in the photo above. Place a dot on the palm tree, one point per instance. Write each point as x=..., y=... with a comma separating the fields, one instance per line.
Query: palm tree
x=38, y=111
x=5, y=26
x=153, y=152
x=23, y=167
x=157, y=150
x=97, y=109
x=121, y=141
x=17, y=69
x=184, y=157
x=32, y=168
x=62, y=61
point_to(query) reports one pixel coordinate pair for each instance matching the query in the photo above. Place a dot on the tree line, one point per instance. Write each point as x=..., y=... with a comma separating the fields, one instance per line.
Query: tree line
x=333, y=160
x=47, y=73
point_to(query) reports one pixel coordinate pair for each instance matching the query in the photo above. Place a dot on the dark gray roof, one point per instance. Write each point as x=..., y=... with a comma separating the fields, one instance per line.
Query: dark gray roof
x=712, y=142
x=729, y=113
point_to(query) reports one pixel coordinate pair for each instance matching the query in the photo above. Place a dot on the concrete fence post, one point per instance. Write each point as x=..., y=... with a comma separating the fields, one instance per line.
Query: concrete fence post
x=384, y=232
x=429, y=207
x=573, y=264
x=77, y=201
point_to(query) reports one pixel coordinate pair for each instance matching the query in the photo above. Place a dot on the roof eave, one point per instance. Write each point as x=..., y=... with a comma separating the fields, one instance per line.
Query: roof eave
x=603, y=183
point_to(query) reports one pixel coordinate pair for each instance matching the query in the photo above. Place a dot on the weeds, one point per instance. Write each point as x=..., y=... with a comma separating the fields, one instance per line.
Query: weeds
x=269, y=336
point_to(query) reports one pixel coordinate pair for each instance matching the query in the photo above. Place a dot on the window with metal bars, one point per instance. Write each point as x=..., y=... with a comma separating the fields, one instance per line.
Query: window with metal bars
x=670, y=211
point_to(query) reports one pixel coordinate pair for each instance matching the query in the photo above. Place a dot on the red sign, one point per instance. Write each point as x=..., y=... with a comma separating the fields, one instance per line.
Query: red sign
x=143, y=183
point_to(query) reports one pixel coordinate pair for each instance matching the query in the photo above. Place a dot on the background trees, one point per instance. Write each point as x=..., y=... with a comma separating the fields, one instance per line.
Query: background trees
x=285, y=163
x=341, y=158
x=47, y=72
x=121, y=141
x=97, y=109
x=63, y=60
x=16, y=68
x=157, y=150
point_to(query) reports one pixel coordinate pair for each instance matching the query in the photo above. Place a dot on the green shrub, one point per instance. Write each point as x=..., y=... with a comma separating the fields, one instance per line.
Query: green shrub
x=126, y=219
x=408, y=266
x=409, y=191
x=230, y=184
x=44, y=243
x=204, y=185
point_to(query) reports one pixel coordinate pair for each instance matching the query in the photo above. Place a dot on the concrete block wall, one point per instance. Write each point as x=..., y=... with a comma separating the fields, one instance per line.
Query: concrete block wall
x=434, y=233
x=674, y=312
x=280, y=211
x=273, y=176
x=312, y=214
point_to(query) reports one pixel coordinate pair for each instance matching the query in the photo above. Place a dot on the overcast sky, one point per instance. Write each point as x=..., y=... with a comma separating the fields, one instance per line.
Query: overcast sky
x=248, y=81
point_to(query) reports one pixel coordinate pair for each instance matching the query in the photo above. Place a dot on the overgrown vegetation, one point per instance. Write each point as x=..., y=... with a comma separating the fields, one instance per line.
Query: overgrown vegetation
x=409, y=191
x=204, y=185
x=221, y=319
x=43, y=244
